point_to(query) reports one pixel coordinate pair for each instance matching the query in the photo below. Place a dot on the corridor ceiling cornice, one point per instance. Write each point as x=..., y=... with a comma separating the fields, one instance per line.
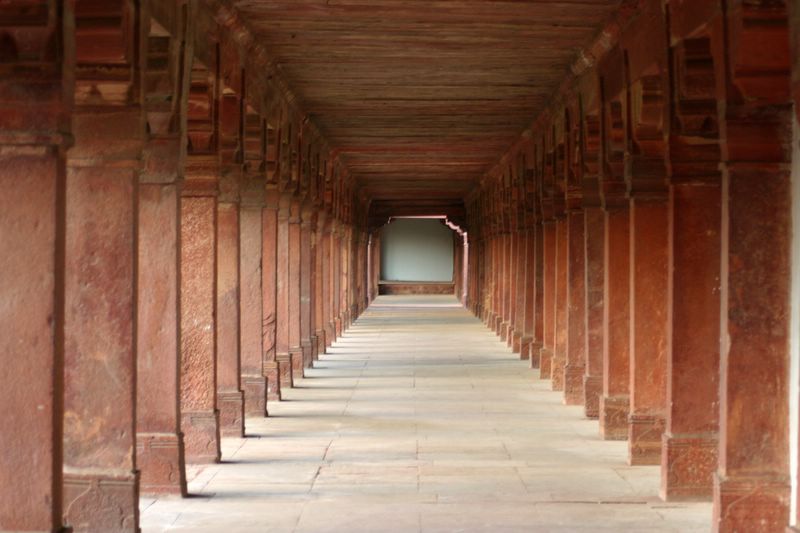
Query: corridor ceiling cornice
x=421, y=98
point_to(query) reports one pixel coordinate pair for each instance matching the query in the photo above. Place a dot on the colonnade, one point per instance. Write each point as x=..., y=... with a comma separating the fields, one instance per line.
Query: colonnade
x=638, y=247
x=180, y=245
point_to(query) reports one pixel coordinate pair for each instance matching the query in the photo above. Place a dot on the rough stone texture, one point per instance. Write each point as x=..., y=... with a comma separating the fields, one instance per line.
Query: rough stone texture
x=100, y=362
x=269, y=271
x=306, y=262
x=254, y=383
x=32, y=225
x=35, y=128
x=199, y=414
x=595, y=302
x=282, y=316
x=549, y=301
x=616, y=326
x=575, y=369
x=295, y=267
x=559, y=359
x=693, y=366
x=159, y=441
x=649, y=297
x=230, y=398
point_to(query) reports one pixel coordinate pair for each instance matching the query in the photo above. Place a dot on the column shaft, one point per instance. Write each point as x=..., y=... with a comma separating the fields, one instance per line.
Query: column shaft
x=230, y=398
x=649, y=273
x=614, y=403
x=575, y=368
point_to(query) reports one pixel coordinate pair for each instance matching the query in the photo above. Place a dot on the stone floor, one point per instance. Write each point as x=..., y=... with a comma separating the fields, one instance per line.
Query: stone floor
x=419, y=419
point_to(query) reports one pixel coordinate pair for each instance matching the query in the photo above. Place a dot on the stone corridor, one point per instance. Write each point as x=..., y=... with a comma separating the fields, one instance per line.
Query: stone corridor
x=196, y=203
x=419, y=419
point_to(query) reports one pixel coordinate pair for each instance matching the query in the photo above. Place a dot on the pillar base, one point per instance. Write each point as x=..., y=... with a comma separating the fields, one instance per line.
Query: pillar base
x=201, y=436
x=314, y=350
x=159, y=457
x=644, y=442
x=320, y=342
x=525, y=347
x=284, y=361
x=534, y=352
x=516, y=342
x=614, y=417
x=101, y=502
x=231, y=413
x=498, y=327
x=573, y=384
x=298, y=363
x=255, y=395
x=688, y=464
x=545, y=363
x=272, y=375
x=330, y=334
x=308, y=358
x=557, y=364
x=755, y=505
x=592, y=390
x=337, y=327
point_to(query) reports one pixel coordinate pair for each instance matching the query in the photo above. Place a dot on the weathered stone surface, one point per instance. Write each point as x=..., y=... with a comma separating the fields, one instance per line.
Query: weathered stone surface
x=269, y=280
x=595, y=302
x=100, y=362
x=549, y=300
x=649, y=297
x=575, y=369
x=251, y=341
x=199, y=414
x=230, y=398
x=693, y=365
x=31, y=225
x=616, y=325
x=159, y=441
x=559, y=359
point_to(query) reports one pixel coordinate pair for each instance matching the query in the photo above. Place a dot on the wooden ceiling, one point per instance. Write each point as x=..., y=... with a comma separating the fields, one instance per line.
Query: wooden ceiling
x=422, y=97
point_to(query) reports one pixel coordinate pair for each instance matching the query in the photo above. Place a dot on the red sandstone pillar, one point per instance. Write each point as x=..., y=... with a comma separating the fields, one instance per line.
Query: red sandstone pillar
x=32, y=178
x=254, y=382
x=519, y=293
x=319, y=285
x=334, y=279
x=269, y=288
x=559, y=360
x=230, y=398
x=529, y=295
x=689, y=452
x=325, y=290
x=101, y=486
x=306, y=261
x=690, y=441
x=537, y=343
x=314, y=282
x=282, y=314
x=649, y=273
x=614, y=403
x=159, y=441
x=199, y=414
x=752, y=487
x=575, y=368
x=295, y=350
x=549, y=299
x=594, y=221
